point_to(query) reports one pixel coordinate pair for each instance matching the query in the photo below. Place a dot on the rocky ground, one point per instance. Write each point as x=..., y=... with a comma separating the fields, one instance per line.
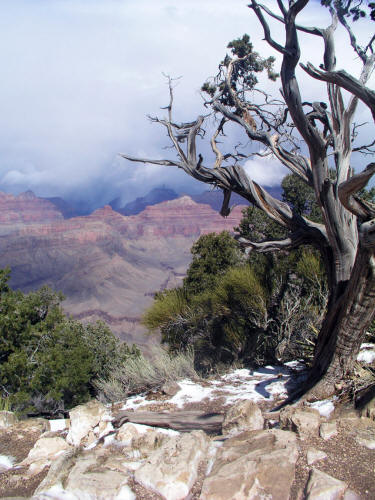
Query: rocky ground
x=322, y=451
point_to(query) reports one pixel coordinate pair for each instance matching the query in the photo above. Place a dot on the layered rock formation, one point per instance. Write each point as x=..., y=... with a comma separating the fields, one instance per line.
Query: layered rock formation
x=107, y=265
x=91, y=456
x=25, y=209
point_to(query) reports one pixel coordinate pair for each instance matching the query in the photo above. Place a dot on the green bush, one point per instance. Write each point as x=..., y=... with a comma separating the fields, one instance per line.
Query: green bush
x=49, y=362
x=212, y=254
x=265, y=310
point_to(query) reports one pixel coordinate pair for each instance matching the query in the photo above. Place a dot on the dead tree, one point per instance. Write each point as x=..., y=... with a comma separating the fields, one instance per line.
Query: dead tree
x=346, y=237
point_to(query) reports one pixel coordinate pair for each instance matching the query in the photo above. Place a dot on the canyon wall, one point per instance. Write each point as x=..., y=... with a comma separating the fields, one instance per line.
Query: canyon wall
x=107, y=265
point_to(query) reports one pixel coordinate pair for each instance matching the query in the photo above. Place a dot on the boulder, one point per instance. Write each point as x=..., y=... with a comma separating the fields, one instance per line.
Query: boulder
x=172, y=469
x=245, y=415
x=44, y=451
x=328, y=430
x=303, y=421
x=128, y=431
x=7, y=419
x=94, y=475
x=46, y=447
x=170, y=388
x=84, y=419
x=253, y=465
x=313, y=455
x=148, y=442
x=321, y=486
x=366, y=437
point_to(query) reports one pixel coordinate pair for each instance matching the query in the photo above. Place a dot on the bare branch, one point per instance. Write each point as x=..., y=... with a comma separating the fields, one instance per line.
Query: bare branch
x=347, y=190
x=296, y=163
x=346, y=81
x=305, y=29
x=168, y=163
x=353, y=41
x=266, y=29
x=294, y=240
x=215, y=149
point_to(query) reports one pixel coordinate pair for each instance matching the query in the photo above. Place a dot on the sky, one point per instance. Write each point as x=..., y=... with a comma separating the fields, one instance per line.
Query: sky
x=79, y=78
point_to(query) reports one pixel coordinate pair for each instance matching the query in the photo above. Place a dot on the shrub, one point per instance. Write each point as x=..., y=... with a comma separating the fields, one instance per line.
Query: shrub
x=49, y=362
x=138, y=374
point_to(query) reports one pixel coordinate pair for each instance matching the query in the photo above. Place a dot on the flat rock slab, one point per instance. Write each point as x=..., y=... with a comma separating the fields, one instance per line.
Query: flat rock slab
x=172, y=469
x=253, y=465
x=245, y=415
x=304, y=421
x=89, y=476
x=321, y=486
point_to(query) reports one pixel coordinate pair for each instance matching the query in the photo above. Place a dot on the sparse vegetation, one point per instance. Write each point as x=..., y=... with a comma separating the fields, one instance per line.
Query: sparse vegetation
x=139, y=374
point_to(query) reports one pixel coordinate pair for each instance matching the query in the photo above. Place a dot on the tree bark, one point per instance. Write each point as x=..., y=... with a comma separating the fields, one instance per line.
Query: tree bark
x=348, y=315
x=183, y=421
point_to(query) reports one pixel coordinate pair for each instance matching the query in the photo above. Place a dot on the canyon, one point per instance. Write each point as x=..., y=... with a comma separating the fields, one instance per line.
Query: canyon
x=107, y=265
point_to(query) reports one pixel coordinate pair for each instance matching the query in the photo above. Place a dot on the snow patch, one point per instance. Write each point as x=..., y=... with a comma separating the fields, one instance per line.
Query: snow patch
x=58, y=424
x=324, y=407
x=190, y=392
x=125, y=494
x=366, y=353
x=266, y=383
x=6, y=462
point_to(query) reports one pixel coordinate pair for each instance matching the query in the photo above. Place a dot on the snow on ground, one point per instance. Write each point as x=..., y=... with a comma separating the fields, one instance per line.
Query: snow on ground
x=6, y=462
x=267, y=383
x=324, y=407
x=366, y=353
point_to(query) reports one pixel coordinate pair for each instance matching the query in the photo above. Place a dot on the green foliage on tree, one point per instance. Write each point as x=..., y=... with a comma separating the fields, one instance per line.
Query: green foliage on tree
x=245, y=72
x=49, y=362
x=212, y=254
x=300, y=197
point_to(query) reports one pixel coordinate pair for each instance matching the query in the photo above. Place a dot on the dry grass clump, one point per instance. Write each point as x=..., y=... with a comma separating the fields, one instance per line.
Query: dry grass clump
x=139, y=374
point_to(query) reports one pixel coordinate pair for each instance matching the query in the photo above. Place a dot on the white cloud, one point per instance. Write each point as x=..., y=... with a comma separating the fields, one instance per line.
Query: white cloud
x=79, y=76
x=265, y=171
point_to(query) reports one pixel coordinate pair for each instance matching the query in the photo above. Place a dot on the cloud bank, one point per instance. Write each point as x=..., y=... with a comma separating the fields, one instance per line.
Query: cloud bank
x=79, y=77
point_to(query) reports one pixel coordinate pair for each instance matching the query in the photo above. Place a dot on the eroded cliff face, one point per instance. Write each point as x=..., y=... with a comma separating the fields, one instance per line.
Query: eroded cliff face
x=25, y=209
x=107, y=265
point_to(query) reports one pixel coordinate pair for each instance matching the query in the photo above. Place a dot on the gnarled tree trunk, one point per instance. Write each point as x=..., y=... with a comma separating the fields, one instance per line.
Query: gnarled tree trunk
x=346, y=237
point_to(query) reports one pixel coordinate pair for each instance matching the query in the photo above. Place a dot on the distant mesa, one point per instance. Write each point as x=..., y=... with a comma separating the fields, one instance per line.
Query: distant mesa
x=155, y=196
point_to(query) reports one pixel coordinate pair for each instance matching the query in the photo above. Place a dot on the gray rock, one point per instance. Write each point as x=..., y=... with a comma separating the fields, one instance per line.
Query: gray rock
x=170, y=388
x=328, y=430
x=303, y=421
x=244, y=415
x=321, y=486
x=253, y=465
x=366, y=437
x=172, y=469
x=84, y=419
x=94, y=475
x=44, y=451
x=313, y=455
